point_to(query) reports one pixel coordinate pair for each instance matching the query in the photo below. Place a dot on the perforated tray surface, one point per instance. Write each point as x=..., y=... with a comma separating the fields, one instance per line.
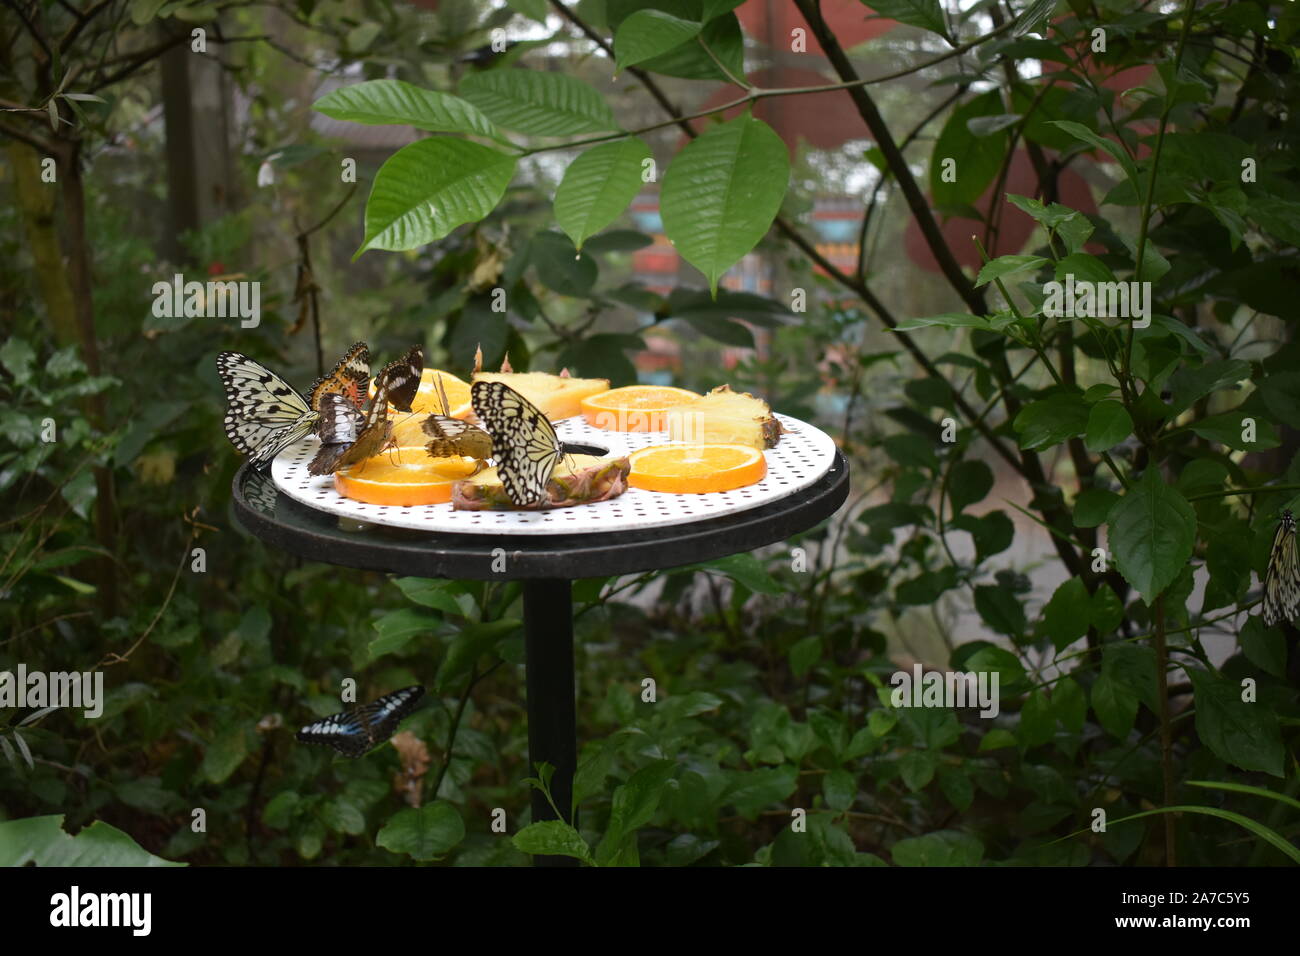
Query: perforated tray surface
x=803, y=455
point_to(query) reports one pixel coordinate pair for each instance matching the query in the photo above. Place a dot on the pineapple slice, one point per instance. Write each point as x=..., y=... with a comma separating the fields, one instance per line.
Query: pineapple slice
x=727, y=417
x=577, y=480
x=557, y=396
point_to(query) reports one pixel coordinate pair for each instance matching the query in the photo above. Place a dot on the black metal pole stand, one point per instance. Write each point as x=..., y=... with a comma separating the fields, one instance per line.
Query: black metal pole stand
x=552, y=710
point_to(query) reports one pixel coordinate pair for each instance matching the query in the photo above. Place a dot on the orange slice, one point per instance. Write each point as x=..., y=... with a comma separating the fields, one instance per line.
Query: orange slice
x=696, y=469
x=634, y=408
x=402, y=476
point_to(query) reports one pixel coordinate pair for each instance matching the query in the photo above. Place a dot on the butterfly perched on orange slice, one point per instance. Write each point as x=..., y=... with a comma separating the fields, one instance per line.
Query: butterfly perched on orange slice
x=348, y=437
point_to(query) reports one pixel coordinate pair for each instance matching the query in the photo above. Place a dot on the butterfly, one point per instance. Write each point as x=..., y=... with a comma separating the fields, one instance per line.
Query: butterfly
x=350, y=378
x=1282, y=579
x=452, y=436
x=356, y=731
x=347, y=437
x=264, y=413
x=400, y=378
x=524, y=442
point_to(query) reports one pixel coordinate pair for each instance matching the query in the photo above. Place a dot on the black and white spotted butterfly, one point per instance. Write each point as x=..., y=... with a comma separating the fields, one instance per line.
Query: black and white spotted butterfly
x=355, y=732
x=264, y=413
x=524, y=442
x=1282, y=579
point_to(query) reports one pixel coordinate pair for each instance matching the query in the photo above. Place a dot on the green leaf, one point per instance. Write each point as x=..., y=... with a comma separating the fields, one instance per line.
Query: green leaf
x=840, y=789
x=917, y=768
x=1243, y=734
x=975, y=159
x=43, y=841
x=804, y=654
x=538, y=103
x=926, y=14
x=1246, y=788
x=1189, y=385
x=632, y=806
x=1066, y=616
x=969, y=482
x=1069, y=705
x=1092, y=506
x=553, y=838
x=1265, y=647
x=997, y=660
x=223, y=756
x=1270, y=836
x=598, y=186
x=946, y=320
x=648, y=33
x=992, y=533
x=1037, y=721
x=755, y=790
x=941, y=848
x=745, y=569
x=382, y=102
x=1115, y=706
x=1230, y=429
x=1000, y=610
x=560, y=267
x=1109, y=423
x=427, y=189
x=424, y=834
x=536, y=10
x=1105, y=611
x=1151, y=530
x=1051, y=421
x=471, y=644
x=396, y=628
x=1033, y=19
x=721, y=193
x=436, y=594
x=1082, y=133
x=1007, y=265
x=691, y=61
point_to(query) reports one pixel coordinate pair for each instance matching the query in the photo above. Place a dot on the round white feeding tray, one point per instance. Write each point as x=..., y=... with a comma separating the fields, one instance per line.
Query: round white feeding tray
x=803, y=455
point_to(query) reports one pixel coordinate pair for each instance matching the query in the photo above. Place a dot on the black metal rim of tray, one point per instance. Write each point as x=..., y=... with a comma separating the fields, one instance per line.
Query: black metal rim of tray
x=547, y=564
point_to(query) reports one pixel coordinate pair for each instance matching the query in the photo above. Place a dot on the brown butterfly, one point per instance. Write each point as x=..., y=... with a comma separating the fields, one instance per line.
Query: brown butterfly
x=452, y=436
x=346, y=437
x=350, y=378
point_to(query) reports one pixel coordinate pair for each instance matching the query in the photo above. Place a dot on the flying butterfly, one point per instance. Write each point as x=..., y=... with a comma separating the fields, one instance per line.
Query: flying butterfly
x=350, y=378
x=1282, y=579
x=452, y=436
x=355, y=732
x=264, y=413
x=347, y=437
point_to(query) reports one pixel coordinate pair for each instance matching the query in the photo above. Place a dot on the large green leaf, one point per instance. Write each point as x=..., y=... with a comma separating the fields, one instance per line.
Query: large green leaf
x=721, y=193
x=1152, y=530
x=378, y=102
x=553, y=838
x=598, y=186
x=44, y=842
x=1243, y=734
x=537, y=103
x=423, y=834
x=977, y=158
x=1109, y=424
x=648, y=33
x=427, y=189
x=1051, y=421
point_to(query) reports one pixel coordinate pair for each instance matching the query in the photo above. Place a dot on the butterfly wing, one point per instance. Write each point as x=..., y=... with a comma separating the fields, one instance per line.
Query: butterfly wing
x=345, y=732
x=1282, y=579
x=353, y=733
x=350, y=377
x=400, y=379
x=383, y=715
x=264, y=413
x=524, y=442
